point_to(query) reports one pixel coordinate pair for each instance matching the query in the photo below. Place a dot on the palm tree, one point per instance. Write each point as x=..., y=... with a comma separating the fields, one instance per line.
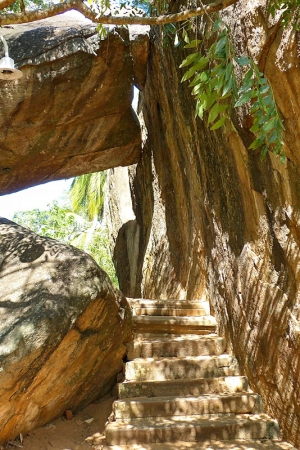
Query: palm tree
x=87, y=193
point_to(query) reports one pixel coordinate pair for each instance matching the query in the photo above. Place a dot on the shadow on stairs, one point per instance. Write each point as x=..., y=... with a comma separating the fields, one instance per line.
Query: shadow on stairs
x=181, y=389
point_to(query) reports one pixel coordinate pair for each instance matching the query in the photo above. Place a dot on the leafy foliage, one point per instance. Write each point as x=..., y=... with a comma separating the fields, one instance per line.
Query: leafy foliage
x=54, y=222
x=290, y=11
x=87, y=194
x=221, y=81
x=59, y=222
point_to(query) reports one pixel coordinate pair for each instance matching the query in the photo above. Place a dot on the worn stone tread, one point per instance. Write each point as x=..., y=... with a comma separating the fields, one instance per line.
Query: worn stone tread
x=174, y=324
x=192, y=428
x=183, y=387
x=248, y=444
x=178, y=345
x=166, y=406
x=182, y=367
x=170, y=307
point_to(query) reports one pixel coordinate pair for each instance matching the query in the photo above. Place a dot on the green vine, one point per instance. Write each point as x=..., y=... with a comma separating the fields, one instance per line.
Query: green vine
x=219, y=87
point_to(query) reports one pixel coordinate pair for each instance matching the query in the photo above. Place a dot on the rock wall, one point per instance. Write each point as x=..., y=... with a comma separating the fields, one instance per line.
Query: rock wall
x=217, y=222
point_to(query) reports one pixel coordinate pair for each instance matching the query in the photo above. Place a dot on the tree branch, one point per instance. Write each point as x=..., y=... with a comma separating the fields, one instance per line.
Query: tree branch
x=78, y=5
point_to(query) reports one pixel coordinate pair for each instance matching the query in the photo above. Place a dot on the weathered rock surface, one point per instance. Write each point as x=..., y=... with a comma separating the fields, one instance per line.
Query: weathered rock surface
x=62, y=330
x=71, y=112
x=216, y=222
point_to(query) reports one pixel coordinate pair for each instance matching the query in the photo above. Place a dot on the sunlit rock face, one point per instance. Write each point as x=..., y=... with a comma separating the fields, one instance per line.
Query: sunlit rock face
x=71, y=111
x=217, y=222
x=63, y=330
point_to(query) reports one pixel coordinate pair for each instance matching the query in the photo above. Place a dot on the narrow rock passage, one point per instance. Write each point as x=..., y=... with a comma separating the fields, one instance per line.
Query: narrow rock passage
x=181, y=389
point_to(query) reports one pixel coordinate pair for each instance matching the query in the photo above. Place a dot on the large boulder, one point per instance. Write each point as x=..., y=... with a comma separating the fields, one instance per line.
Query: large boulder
x=71, y=112
x=62, y=330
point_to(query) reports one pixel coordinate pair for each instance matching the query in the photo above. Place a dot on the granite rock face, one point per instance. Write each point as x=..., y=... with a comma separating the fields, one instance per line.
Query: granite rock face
x=71, y=112
x=215, y=222
x=63, y=330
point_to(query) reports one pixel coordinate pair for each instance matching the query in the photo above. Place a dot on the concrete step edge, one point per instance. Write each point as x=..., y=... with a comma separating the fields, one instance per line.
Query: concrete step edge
x=189, y=320
x=183, y=303
x=168, y=336
x=192, y=428
x=249, y=444
x=208, y=419
x=235, y=383
x=149, y=337
x=236, y=403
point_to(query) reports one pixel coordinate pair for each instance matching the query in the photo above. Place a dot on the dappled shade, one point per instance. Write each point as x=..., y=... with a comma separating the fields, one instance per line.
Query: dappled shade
x=62, y=331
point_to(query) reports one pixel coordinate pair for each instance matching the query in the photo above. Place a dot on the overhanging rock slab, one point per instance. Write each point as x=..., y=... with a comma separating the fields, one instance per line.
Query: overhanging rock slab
x=71, y=112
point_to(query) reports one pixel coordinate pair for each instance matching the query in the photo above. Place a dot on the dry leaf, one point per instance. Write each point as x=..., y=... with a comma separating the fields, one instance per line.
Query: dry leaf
x=80, y=422
x=15, y=444
x=50, y=425
x=89, y=420
x=21, y=438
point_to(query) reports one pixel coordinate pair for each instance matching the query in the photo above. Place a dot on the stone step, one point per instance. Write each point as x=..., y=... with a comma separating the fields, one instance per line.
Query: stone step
x=240, y=403
x=178, y=345
x=195, y=387
x=170, y=307
x=191, y=429
x=173, y=324
x=211, y=445
x=161, y=369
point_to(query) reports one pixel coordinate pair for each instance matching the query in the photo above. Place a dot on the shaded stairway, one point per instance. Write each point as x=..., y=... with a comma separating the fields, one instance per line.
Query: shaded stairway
x=181, y=390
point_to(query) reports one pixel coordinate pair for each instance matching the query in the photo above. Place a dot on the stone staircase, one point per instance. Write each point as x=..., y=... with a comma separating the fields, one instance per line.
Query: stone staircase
x=181, y=390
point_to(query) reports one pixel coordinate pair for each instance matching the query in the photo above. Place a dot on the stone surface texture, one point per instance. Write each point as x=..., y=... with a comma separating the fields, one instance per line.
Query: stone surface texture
x=71, y=112
x=215, y=222
x=63, y=330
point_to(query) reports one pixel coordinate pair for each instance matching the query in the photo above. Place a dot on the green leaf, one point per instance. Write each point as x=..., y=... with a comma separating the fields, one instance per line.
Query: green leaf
x=193, y=43
x=185, y=36
x=197, y=79
x=234, y=88
x=176, y=41
x=221, y=44
x=215, y=111
x=268, y=126
x=227, y=87
x=255, y=127
x=217, y=24
x=267, y=100
x=202, y=63
x=198, y=88
x=200, y=110
x=221, y=82
x=189, y=59
x=273, y=137
x=243, y=61
x=219, y=123
x=263, y=153
x=257, y=143
x=216, y=70
x=211, y=99
x=189, y=73
x=228, y=71
x=245, y=98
